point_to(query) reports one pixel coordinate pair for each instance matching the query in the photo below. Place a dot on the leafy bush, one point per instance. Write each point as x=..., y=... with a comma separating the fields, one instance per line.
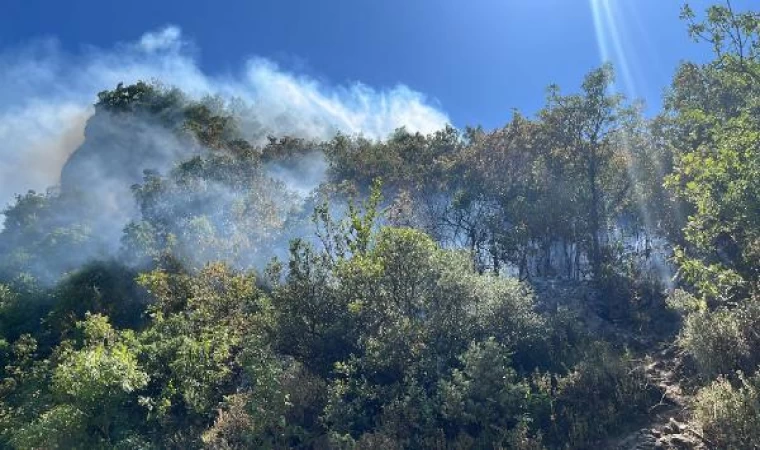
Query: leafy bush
x=484, y=400
x=601, y=394
x=724, y=340
x=93, y=392
x=729, y=414
x=102, y=287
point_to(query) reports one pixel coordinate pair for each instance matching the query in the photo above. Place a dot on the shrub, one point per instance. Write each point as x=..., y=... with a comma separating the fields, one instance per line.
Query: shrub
x=485, y=399
x=603, y=392
x=725, y=340
x=729, y=415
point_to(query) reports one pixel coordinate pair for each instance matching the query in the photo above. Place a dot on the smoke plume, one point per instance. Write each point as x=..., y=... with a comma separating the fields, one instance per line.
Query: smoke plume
x=46, y=96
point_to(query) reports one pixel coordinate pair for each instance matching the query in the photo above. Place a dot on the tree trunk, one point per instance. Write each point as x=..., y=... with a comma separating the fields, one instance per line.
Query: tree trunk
x=594, y=220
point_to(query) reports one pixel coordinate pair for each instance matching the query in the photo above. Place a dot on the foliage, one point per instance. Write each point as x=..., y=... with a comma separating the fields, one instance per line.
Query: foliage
x=729, y=413
x=714, y=125
x=604, y=391
x=91, y=387
x=724, y=340
x=484, y=399
x=409, y=313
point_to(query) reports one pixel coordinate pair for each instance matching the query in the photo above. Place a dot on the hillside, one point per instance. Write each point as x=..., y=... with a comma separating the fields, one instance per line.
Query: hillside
x=585, y=277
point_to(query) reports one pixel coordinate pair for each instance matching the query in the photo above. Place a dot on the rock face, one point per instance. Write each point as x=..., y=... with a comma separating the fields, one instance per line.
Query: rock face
x=118, y=148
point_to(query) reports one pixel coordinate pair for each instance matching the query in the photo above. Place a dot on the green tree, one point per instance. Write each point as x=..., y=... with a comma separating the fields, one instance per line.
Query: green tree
x=586, y=127
x=715, y=128
x=92, y=386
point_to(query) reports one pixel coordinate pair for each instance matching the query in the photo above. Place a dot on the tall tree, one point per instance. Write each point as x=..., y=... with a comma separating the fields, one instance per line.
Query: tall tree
x=586, y=129
x=713, y=110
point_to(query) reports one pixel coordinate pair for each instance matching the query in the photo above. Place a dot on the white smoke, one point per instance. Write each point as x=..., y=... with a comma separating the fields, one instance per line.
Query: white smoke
x=46, y=96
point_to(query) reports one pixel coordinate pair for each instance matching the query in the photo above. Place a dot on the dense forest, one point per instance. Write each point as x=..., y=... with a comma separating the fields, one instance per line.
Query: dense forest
x=585, y=277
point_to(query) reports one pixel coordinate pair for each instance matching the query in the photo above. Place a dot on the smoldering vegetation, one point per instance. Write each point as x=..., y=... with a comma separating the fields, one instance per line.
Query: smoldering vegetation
x=264, y=262
x=67, y=152
x=157, y=171
x=46, y=97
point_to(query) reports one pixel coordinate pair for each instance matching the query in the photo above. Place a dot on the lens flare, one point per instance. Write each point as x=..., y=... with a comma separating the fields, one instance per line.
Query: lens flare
x=609, y=38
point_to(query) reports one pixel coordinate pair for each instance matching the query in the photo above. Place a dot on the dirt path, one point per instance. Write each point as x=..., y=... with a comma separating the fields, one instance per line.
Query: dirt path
x=667, y=427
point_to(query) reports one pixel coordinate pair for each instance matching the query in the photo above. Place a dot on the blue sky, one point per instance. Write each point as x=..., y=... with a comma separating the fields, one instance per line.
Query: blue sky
x=475, y=60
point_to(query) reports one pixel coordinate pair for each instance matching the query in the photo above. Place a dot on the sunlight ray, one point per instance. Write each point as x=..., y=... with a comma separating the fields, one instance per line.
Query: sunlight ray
x=611, y=49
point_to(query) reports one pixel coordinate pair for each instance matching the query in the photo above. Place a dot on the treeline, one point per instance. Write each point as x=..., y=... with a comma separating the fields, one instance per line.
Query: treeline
x=552, y=196
x=210, y=302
